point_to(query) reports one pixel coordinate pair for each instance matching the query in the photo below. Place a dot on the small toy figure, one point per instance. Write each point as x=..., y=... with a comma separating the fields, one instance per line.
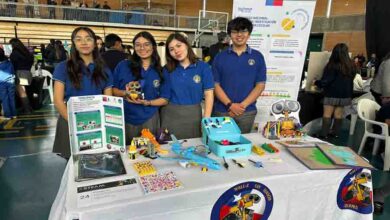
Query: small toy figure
x=163, y=136
x=204, y=169
x=257, y=164
x=151, y=151
x=133, y=90
x=289, y=125
x=132, y=151
x=147, y=134
x=257, y=150
x=144, y=168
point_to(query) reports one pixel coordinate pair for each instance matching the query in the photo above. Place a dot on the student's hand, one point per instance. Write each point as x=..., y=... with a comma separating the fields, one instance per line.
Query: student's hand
x=231, y=114
x=134, y=101
x=237, y=109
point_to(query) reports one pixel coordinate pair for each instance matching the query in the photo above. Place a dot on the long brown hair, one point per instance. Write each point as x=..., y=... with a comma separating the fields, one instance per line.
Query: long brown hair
x=171, y=62
x=75, y=63
x=339, y=60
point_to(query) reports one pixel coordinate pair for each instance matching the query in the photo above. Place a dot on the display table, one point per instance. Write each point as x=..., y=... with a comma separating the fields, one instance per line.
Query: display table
x=297, y=192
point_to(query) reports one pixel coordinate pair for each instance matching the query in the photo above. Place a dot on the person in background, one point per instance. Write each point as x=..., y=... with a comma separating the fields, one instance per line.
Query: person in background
x=66, y=12
x=191, y=80
x=100, y=44
x=106, y=14
x=222, y=44
x=59, y=53
x=52, y=10
x=29, y=8
x=143, y=68
x=240, y=76
x=95, y=15
x=383, y=115
x=114, y=51
x=84, y=73
x=22, y=60
x=381, y=83
x=12, y=7
x=84, y=14
x=7, y=86
x=337, y=84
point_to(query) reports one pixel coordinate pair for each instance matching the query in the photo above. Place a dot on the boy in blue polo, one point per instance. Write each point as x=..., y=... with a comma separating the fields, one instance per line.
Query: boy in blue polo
x=239, y=75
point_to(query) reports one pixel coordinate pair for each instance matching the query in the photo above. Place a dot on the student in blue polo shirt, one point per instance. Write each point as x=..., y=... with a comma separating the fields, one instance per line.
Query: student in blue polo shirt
x=84, y=73
x=191, y=80
x=240, y=75
x=145, y=68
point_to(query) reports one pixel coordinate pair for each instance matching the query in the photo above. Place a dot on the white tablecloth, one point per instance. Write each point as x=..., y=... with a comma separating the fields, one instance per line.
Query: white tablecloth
x=298, y=193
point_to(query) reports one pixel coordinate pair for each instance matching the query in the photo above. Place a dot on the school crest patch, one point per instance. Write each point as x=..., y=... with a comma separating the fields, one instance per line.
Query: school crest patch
x=197, y=78
x=156, y=83
x=355, y=191
x=251, y=62
x=248, y=200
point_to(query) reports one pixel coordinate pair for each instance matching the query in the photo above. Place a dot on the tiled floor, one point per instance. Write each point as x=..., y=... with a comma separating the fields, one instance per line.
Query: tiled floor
x=31, y=175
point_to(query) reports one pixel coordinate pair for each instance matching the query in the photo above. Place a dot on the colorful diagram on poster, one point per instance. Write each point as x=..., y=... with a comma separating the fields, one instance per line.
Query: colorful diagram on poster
x=355, y=191
x=248, y=200
x=91, y=140
x=88, y=120
x=113, y=115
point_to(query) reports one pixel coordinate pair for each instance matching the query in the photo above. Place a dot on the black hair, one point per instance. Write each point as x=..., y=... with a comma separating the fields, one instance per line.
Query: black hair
x=136, y=62
x=339, y=60
x=17, y=45
x=240, y=23
x=75, y=63
x=2, y=55
x=110, y=39
x=221, y=36
x=171, y=62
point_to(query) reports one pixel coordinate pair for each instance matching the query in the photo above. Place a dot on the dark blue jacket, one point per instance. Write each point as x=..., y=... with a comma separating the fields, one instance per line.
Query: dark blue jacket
x=335, y=84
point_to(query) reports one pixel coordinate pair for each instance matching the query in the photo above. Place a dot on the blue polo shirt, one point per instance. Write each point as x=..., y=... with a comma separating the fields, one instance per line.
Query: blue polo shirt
x=188, y=85
x=238, y=75
x=88, y=86
x=152, y=86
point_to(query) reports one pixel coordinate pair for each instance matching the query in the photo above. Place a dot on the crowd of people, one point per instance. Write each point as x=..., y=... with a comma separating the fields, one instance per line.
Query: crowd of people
x=66, y=10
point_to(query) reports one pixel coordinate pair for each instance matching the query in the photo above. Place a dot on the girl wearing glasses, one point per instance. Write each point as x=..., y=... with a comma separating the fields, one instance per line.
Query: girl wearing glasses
x=84, y=73
x=191, y=80
x=141, y=82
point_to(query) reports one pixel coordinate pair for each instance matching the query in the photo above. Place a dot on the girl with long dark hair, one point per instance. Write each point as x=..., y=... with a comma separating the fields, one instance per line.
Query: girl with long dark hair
x=191, y=80
x=337, y=83
x=84, y=73
x=22, y=60
x=144, y=69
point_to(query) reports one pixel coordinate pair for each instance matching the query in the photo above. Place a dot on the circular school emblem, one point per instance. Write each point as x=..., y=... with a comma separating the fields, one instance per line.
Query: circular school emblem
x=355, y=191
x=251, y=62
x=156, y=83
x=248, y=200
x=197, y=78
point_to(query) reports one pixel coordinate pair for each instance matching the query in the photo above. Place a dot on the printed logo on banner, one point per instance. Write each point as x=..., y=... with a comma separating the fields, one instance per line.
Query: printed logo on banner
x=274, y=2
x=355, y=192
x=248, y=200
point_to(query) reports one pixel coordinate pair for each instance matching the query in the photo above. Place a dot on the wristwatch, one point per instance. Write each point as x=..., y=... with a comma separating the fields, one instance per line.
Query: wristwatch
x=228, y=105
